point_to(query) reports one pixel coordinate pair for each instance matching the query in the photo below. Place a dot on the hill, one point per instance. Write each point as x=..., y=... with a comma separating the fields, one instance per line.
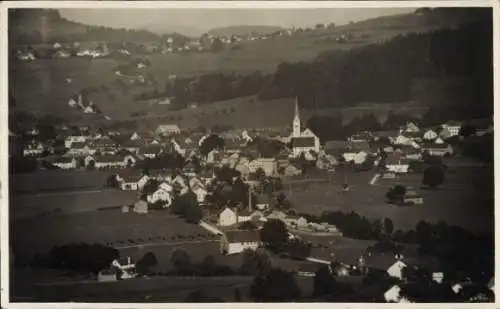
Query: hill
x=243, y=30
x=347, y=62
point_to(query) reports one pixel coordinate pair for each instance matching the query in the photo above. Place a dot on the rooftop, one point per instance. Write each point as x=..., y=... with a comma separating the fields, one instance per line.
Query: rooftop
x=242, y=236
x=303, y=142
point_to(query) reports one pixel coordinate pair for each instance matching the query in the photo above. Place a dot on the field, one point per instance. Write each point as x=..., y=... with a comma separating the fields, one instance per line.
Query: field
x=113, y=227
x=57, y=180
x=457, y=202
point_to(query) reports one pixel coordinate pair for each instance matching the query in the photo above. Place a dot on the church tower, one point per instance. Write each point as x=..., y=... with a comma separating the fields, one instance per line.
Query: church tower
x=296, y=120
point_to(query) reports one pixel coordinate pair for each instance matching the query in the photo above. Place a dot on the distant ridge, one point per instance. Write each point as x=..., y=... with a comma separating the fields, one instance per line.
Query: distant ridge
x=243, y=30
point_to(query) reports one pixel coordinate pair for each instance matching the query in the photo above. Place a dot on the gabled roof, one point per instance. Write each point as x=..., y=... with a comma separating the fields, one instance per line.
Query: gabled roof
x=109, y=158
x=63, y=160
x=78, y=145
x=330, y=145
x=303, y=142
x=380, y=260
x=237, y=236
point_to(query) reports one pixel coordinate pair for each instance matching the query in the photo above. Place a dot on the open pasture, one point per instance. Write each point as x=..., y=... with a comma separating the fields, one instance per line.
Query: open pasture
x=456, y=203
x=110, y=227
x=57, y=180
x=25, y=206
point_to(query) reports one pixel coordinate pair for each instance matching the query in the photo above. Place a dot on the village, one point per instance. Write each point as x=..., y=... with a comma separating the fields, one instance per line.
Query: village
x=228, y=186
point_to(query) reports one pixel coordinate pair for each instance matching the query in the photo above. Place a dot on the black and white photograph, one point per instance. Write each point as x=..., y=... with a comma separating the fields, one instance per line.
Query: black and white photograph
x=322, y=153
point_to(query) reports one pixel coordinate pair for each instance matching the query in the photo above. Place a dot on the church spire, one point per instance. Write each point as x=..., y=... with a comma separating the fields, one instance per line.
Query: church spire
x=296, y=120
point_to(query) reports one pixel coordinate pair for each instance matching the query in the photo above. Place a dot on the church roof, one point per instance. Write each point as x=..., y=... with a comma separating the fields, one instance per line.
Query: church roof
x=303, y=142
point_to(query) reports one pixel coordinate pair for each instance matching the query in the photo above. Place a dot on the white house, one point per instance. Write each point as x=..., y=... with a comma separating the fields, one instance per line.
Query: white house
x=33, y=150
x=452, y=128
x=234, y=242
x=268, y=165
x=141, y=207
x=160, y=195
x=394, y=163
x=430, y=135
x=68, y=141
x=393, y=294
x=412, y=127
x=227, y=217
x=65, y=163
x=168, y=129
x=396, y=269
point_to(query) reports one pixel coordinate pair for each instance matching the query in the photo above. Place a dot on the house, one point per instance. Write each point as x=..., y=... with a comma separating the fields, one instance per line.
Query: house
x=262, y=202
x=450, y=128
x=103, y=144
x=292, y=170
x=394, y=163
x=126, y=268
x=430, y=135
x=110, y=161
x=161, y=194
x=435, y=149
x=411, y=127
x=364, y=136
x=150, y=151
x=80, y=149
x=227, y=217
x=65, y=163
x=390, y=264
x=392, y=295
x=33, y=150
x=141, y=207
x=131, y=180
x=132, y=146
x=355, y=156
x=234, y=242
x=268, y=165
x=68, y=141
x=411, y=197
x=107, y=275
x=167, y=129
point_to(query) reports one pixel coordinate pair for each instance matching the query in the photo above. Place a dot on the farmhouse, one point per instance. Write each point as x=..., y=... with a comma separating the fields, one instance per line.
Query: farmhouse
x=302, y=142
x=80, y=149
x=438, y=149
x=450, y=129
x=33, y=150
x=110, y=161
x=65, y=163
x=167, y=129
x=150, y=151
x=394, y=163
x=233, y=242
x=268, y=165
x=141, y=207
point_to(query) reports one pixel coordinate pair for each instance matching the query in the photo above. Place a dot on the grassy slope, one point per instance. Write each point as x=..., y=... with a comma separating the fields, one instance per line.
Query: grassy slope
x=243, y=30
x=49, y=90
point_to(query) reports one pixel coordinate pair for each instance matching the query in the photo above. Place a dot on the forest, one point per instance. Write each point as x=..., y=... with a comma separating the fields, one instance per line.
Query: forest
x=443, y=68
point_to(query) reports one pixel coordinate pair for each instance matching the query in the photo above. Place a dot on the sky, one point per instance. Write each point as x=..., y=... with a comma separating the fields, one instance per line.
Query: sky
x=202, y=20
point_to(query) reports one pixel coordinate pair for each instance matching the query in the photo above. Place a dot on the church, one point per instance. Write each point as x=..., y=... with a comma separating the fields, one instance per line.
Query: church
x=302, y=141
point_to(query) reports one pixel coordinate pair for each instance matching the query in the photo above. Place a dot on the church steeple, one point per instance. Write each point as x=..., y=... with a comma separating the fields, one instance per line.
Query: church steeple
x=296, y=120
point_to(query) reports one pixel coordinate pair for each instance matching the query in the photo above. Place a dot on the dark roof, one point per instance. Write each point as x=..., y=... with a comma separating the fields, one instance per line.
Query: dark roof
x=132, y=143
x=303, y=142
x=63, y=160
x=361, y=146
x=434, y=146
x=331, y=145
x=242, y=236
x=130, y=175
x=103, y=142
x=78, y=145
x=387, y=133
x=115, y=158
x=150, y=149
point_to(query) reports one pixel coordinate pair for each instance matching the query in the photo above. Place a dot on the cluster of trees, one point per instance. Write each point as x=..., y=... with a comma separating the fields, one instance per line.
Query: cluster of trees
x=187, y=207
x=164, y=161
x=274, y=234
x=213, y=87
x=394, y=68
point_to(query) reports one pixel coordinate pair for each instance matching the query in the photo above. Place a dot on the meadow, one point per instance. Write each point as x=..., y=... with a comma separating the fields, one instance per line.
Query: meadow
x=457, y=202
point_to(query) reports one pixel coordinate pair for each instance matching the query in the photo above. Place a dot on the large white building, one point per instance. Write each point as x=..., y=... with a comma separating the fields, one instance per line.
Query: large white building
x=302, y=141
